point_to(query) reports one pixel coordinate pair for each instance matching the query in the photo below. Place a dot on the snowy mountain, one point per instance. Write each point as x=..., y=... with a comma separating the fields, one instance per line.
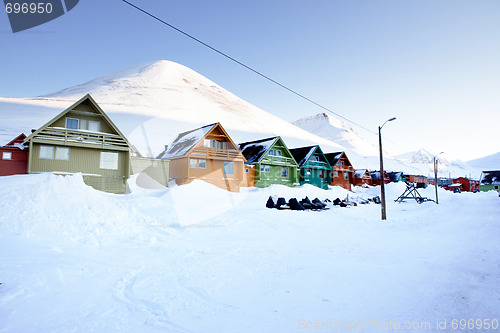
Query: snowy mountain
x=490, y=162
x=423, y=160
x=153, y=102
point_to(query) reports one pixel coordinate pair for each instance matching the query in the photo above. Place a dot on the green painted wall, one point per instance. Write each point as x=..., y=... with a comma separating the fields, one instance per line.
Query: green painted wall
x=317, y=173
x=486, y=188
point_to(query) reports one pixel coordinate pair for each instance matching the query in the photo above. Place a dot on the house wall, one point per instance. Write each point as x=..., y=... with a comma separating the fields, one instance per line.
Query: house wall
x=182, y=173
x=157, y=169
x=86, y=161
x=274, y=176
x=103, y=126
x=363, y=180
x=17, y=165
x=248, y=176
x=340, y=180
x=310, y=174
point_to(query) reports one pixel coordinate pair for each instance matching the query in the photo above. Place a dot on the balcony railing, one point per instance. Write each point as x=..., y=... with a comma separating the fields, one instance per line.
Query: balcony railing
x=278, y=159
x=68, y=136
x=216, y=153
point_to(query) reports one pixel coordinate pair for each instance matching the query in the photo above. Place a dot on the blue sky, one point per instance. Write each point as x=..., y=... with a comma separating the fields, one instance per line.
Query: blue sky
x=434, y=64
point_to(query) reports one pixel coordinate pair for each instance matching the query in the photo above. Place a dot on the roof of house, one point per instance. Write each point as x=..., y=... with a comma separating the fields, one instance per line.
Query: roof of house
x=255, y=150
x=359, y=173
x=18, y=142
x=490, y=178
x=333, y=157
x=395, y=175
x=376, y=174
x=186, y=141
x=303, y=154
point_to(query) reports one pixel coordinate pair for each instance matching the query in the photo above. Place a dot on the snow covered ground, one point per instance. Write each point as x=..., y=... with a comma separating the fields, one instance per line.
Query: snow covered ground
x=73, y=259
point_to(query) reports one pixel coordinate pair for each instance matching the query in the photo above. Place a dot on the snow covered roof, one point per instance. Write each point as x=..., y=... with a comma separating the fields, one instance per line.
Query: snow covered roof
x=395, y=175
x=255, y=150
x=333, y=157
x=490, y=178
x=303, y=154
x=359, y=173
x=186, y=141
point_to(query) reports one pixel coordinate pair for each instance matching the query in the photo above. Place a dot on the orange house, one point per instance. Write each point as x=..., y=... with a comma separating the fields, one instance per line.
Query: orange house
x=206, y=153
x=362, y=176
x=343, y=172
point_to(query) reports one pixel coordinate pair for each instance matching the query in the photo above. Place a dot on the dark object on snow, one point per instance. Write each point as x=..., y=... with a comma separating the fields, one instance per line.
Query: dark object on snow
x=337, y=202
x=307, y=204
x=270, y=203
x=295, y=204
x=457, y=190
x=421, y=185
x=412, y=193
x=328, y=200
x=281, y=204
x=342, y=204
x=318, y=202
x=377, y=200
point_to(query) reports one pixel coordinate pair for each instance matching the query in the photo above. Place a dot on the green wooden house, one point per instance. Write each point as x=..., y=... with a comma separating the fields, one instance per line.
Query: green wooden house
x=83, y=139
x=489, y=181
x=273, y=163
x=314, y=167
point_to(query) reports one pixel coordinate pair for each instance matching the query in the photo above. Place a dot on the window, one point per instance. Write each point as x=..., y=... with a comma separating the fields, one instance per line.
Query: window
x=346, y=175
x=46, y=153
x=6, y=155
x=206, y=143
x=193, y=163
x=321, y=173
x=271, y=152
x=278, y=152
x=284, y=172
x=109, y=160
x=72, y=123
x=62, y=153
x=228, y=168
x=246, y=170
x=202, y=164
x=496, y=187
x=341, y=162
x=221, y=145
x=265, y=168
x=83, y=124
x=94, y=126
x=308, y=171
x=335, y=174
x=315, y=158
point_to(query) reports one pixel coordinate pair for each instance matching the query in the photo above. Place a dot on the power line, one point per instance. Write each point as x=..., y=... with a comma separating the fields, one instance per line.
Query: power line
x=246, y=66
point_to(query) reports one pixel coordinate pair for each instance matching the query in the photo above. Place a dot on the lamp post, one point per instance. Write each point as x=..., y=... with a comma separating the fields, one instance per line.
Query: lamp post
x=436, y=175
x=382, y=183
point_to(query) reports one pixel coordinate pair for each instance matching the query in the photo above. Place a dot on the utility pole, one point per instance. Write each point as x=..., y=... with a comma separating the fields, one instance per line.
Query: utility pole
x=436, y=175
x=382, y=179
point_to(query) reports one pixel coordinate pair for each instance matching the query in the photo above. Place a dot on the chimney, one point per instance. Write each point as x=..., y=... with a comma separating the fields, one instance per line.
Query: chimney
x=33, y=130
x=166, y=147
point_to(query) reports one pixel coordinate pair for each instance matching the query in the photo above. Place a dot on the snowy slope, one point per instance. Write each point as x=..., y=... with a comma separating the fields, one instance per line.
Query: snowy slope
x=423, y=160
x=490, y=162
x=149, y=262
x=152, y=103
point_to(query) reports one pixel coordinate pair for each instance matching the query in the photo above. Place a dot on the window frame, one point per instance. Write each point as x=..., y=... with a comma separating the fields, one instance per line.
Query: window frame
x=193, y=163
x=77, y=123
x=61, y=149
x=7, y=153
x=109, y=153
x=286, y=173
x=45, y=147
x=224, y=168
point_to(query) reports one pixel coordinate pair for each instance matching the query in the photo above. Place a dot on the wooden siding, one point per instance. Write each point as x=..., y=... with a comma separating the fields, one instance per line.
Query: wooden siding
x=248, y=176
x=18, y=164
x=86, y=161
x=154, y=168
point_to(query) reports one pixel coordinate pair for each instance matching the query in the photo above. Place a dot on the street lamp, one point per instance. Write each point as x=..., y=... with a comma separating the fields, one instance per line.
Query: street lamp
x=382, y=183
x=436, y=174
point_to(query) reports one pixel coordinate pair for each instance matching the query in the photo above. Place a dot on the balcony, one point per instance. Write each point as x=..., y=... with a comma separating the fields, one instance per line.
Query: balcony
x=223, y=154
x=279, y=160
x=71, y=137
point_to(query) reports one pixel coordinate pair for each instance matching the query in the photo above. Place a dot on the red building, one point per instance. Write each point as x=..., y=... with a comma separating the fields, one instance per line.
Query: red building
x=376, y=178
x=362, y=176
x=14, y=157
x=342, y=170
x=467, y=185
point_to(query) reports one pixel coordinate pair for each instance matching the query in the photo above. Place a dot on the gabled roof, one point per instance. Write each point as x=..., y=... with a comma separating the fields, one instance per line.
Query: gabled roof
x=186, y=141
x=490, y=177
x=71, y=108
x=376, y=174
x=19, y=140
x=333, y=158
x=359, y=173
x=254, y=151
x=303, y=154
